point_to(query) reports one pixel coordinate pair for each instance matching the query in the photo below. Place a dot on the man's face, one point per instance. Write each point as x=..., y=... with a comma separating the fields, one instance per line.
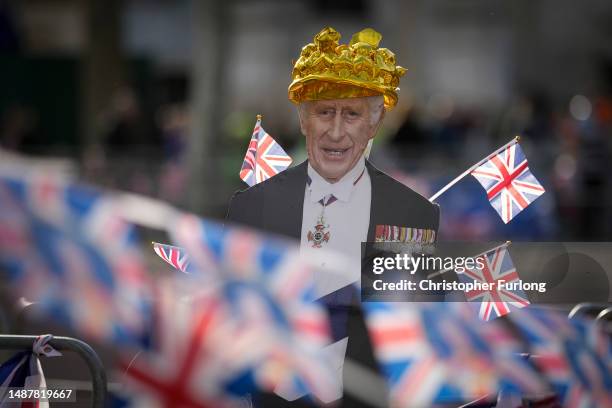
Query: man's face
x=337, y=132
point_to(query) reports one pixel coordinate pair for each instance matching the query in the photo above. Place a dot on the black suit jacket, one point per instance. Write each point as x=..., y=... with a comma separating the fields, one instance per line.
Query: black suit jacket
x=276, y=206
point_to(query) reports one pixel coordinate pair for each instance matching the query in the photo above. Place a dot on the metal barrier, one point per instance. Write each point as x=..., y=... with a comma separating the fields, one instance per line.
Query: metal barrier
x=96, y=369
x=587, y=308
x=605, y=314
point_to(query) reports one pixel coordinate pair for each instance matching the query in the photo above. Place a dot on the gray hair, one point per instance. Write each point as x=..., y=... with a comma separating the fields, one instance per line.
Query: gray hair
x=376, y=104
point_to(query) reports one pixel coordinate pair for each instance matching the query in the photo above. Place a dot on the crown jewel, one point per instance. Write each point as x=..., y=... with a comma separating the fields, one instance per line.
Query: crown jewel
x=329, y=70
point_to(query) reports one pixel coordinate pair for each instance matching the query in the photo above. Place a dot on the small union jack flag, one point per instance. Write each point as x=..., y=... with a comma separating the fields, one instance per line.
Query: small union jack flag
x=509, y=184
x=567, y=352
x=173, y=255
x=264, y=157
x=499, y=271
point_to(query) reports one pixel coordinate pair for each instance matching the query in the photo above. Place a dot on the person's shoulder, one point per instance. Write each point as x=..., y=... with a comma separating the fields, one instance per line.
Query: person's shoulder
x=247, y=206
x=400, y=192
x=274, y=183
x=401, y=199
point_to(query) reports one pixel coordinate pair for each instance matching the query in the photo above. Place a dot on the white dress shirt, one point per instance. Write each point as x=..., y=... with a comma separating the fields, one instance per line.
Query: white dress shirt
x=347, y=219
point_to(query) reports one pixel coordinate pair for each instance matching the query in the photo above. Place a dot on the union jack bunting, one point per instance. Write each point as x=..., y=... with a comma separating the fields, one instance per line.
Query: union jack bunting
x=23, y=370
x=247, y=264
x=499, y=271
x=241, y=253
x=565, y=351
x=214, y=345
x=439, y=353
x=264, y=157
x=509, y=184
x=190, y=343
x=65, y=247
x=173, y=255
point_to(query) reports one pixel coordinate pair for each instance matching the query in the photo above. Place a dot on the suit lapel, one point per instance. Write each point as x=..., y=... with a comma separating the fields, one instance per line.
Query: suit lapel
x=282, y=212
x=376, y=204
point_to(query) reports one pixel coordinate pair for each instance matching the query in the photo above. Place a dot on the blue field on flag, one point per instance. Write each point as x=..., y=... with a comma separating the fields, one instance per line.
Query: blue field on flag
x=509, y=184
x=264, y=157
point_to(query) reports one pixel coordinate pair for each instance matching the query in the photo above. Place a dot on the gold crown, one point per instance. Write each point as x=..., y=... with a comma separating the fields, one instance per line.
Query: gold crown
x=329, y=70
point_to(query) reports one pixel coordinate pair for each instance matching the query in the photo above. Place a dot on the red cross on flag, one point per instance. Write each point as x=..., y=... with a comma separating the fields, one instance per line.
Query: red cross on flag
x=498, y=268
x=264, y=157
x=509, y=184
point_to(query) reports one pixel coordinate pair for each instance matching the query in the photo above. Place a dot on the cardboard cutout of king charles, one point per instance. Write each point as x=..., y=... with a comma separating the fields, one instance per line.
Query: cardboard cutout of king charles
x=342, y=92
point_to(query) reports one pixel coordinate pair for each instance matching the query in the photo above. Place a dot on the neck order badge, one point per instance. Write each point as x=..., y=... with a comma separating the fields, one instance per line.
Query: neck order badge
x=320, y=234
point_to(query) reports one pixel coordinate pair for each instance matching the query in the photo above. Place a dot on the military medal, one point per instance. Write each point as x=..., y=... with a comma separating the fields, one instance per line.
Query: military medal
x=319, y=236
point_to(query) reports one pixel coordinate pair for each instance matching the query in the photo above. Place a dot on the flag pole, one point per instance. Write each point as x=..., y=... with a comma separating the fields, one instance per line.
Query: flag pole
x=438, y=273
x=468, y=171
